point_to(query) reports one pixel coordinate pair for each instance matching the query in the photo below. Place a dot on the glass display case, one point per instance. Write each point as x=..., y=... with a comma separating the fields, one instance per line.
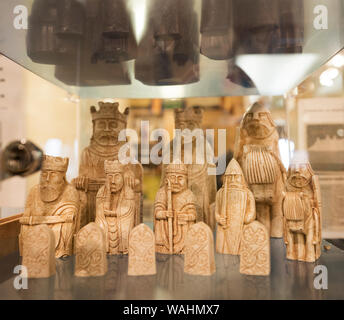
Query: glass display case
x=60, y=58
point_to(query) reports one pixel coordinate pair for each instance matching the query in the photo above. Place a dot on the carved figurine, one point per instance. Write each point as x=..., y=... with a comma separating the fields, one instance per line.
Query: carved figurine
x=199, y=250
x=235, y=207
x=141, y=261
x=56, y=203
x=116, y=207
x=174, y=211
x=258, y=155
x=302, y=213
x=90, y=252
x=107, y=124
x=200, y=182
x=39, y=251
x=255, y=250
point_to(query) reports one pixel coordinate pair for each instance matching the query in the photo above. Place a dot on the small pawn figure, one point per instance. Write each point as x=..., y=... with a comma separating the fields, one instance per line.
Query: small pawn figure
x=255, y=250
x=38, y=251
x=141, y=260
x=302, y=213
x=90, y=252
x=199, y=251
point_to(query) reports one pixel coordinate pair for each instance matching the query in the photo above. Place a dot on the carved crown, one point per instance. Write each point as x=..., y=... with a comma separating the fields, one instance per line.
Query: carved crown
x=109, y=111
x=113, y=166
x=233, y=168
x=189, y=114
x=177, y=168
x=55, y=163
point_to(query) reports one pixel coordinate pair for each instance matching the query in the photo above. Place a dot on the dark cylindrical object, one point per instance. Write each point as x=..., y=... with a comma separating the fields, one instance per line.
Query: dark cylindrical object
x=116, y=19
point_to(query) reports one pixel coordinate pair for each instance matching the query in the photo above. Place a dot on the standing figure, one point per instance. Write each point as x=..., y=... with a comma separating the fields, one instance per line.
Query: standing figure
x=116, y=206
x=174, y=211
x=56, y=203
x=235, y=207
x=258, y=155
x=200, y=182
x=302, y=213
x=107, y=125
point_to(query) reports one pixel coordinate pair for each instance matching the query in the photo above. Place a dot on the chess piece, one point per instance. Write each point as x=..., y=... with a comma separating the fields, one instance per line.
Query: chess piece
x=141, y=261
x=200, y=182
x=235, y=207
x=302, y=213
x=255, y=250
x=199, y=250
x=56, y=203
x=39, y=251
x=258, y=155
x=174, y=211
x=108, y=122
x=116, y=207
x=90, y=252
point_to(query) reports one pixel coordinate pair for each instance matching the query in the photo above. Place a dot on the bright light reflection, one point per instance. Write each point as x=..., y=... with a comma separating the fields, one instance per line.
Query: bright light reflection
x=285, y=153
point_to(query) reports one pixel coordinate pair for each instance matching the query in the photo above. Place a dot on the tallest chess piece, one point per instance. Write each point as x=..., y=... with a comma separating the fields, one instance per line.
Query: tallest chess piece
x=258, y=154
x=108, y=122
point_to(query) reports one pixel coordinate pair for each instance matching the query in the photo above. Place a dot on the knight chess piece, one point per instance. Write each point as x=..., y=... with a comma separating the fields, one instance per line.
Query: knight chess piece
x=255, y=250
x=174, y=211
x=141, y=261
x=302, y=213
x=258, y=154
x=200, y=182
x=108, y=122
x=199, y=250
x=56, y=203
x=235, y=208
x=39, y=251
x=90, y=252
x=116, y=207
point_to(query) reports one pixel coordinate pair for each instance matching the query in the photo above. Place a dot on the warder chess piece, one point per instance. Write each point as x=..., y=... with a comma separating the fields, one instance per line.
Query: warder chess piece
x=174, y=211
x=258, y=155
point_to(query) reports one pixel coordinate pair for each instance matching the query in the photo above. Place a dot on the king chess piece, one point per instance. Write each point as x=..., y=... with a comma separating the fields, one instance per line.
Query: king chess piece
x=258, y=154
x=302, y=213
x=200, y=182
x=108, y=122
x=116, y=207
x=174, y=211
x=56, y=203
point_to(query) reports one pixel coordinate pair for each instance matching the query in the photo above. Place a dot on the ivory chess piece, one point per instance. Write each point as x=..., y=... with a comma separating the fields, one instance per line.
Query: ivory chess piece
x=199, y=250
x=200, y=182
x=39, y=251
x=302, y=213
x=258, y=154
x=56, y=203
x=141, y=261
x=90, y=252
x=174, y=211
x=235, y=208
x=116, y=207
x=255, y=250
x=108, y=122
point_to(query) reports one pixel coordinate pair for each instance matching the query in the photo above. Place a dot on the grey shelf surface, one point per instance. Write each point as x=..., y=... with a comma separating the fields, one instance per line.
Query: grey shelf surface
x=288, y=280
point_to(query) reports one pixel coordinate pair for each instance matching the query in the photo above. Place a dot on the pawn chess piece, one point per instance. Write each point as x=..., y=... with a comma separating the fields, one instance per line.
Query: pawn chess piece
x=39, y=251
x=141, y=260
x=302, y=213
x=235, y=208
x=199, y=250
x=255, y=250
x=90, y=252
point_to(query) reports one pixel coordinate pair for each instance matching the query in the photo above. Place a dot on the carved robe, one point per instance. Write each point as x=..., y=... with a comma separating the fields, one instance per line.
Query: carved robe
x=61, y=215
x=92, y=167
x=116, y=218
x=183, y=204
x=237, y=205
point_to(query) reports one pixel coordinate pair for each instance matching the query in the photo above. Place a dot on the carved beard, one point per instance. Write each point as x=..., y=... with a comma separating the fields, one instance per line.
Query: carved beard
x=258, y=129
x=298, y=180
x=106, y=138
x=50, y=192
